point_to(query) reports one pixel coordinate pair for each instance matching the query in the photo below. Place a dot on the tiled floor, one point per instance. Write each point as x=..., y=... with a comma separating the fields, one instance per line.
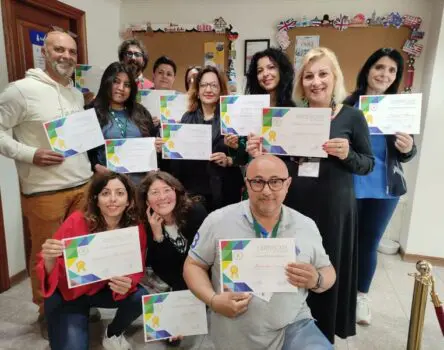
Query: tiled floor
x=391, y=295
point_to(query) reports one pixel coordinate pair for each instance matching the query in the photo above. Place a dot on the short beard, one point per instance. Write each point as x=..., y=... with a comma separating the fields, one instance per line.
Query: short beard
x=64, y=72
x=135, y=68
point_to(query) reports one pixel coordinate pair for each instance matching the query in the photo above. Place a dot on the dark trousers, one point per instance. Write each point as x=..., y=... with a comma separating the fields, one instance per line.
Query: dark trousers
x=68, y=320
x=373, y=216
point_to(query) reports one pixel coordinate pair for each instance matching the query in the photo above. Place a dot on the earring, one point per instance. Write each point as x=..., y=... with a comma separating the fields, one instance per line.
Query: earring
x=333, y=104
x=305, y=103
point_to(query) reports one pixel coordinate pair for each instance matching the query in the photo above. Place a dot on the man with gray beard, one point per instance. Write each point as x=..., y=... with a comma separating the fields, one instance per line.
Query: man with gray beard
x=52, y=187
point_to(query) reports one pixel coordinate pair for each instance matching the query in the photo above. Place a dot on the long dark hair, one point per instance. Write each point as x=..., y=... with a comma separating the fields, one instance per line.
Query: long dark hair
x=193, y=93
x=93, y=215
x=189, y=69
x=183, y=201
x=136, y=112
x=284, y=89
x=362, y=79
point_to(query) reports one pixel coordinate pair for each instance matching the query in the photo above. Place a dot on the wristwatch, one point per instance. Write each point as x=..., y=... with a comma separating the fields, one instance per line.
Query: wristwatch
x=318, y=282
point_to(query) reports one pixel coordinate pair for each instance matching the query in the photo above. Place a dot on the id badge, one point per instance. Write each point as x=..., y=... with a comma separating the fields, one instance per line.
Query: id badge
x=309, y=169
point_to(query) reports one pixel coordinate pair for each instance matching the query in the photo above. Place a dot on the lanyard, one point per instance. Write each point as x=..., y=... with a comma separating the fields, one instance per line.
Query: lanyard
x=122, y=126
x=262, y=233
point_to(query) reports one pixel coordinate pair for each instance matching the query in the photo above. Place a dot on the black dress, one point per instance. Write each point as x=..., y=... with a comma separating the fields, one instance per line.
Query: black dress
x=218, y=186
x=330, y=201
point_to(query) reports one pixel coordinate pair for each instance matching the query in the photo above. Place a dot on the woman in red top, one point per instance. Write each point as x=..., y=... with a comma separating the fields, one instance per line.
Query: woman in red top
x=110, y=205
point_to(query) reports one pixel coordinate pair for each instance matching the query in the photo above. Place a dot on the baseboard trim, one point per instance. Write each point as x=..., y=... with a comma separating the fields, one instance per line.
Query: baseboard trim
x=18, y=277
x=435, y=261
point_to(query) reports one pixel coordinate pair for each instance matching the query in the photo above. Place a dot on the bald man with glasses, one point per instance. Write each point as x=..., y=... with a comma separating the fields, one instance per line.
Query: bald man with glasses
x=246, y=321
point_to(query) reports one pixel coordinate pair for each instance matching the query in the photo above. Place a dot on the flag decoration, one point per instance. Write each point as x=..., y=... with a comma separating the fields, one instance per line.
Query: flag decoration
x=341, y=23
x=411, y=47
x=287, y=25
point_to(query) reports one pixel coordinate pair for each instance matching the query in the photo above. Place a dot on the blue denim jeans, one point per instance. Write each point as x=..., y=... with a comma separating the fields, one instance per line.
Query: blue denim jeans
x=305, y=335
x=68, y=320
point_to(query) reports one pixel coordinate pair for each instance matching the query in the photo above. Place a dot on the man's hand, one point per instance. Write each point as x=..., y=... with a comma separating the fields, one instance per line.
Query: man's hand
x=46, y=157
x=302, y=275
x=231, y=304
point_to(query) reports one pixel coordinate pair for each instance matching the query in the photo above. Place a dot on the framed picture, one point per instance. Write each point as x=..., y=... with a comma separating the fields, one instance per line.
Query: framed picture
x=251, y=47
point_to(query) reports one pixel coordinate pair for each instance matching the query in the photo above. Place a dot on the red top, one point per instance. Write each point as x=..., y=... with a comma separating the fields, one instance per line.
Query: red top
x=144, y=83
x=75, y=225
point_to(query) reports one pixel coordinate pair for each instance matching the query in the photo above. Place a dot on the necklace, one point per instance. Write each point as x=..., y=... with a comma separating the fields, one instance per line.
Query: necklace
x=122, y=125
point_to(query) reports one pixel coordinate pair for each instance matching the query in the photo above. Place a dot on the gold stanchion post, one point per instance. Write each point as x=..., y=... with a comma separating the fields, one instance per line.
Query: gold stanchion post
x=423, y=279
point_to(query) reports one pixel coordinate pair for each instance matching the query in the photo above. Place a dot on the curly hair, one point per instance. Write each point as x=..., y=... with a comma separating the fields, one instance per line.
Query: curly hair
x=94, y=218
x=362, y=79
x=193, y=93
x=184, y=202
x=284, y=89
x=136, y=112
x=123, y=48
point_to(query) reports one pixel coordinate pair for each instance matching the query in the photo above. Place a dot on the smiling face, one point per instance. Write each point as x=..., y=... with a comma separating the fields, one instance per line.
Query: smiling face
x=164, y=77
x=267, y=74
x=60, y=51
x=121, y=89
x=318, y=82
x=209, y=89
x=161, y=198
x=381, y=75
x=113, y=199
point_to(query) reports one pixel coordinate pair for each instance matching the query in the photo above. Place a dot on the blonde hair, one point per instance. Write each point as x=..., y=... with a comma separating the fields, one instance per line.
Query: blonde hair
x=339, y=92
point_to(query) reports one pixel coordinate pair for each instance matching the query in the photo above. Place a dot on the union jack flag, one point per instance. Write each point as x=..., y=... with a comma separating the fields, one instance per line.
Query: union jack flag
x=412, y=48
x=287, y=25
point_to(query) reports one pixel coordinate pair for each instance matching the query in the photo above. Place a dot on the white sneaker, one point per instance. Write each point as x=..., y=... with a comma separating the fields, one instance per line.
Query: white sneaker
x=115, y=343
x=363, y=312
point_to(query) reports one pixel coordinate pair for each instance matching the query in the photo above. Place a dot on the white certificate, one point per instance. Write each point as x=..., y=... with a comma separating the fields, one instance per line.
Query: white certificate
x=296, y=131
x=242, y=115
x=150, y=99
x=389, y=114
x=100, y=256
x=76, y=133
x=186, y=141
x=256, y=265
x=172, y=108
x=135, y=155
x=171, y=314
x=87, y=78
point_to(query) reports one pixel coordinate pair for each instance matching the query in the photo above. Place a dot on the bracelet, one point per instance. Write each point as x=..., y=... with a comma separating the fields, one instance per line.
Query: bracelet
x=211, y=301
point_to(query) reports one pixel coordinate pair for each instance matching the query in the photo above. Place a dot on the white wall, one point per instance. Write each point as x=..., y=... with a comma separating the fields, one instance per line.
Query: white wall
x=12, y=212
x=257, y=19
x=102, y=24
x=424, y=234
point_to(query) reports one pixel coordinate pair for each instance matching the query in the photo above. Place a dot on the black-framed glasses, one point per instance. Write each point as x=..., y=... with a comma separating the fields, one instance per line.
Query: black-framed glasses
x=275, y=184
x=131, y=54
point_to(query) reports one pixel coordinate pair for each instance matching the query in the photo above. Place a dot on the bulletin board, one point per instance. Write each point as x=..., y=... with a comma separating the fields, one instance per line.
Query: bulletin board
x=184, y=48
x=354, y=45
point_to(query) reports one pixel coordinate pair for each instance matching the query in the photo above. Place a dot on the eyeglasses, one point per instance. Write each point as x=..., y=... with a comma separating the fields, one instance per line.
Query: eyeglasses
x=61, y=30
x=213, y=86
x=157, y=193
x=131, y=54
x=275, y=184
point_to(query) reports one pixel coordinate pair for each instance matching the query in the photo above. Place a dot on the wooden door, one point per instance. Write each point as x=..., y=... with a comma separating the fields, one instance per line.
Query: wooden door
x=21, y=17
x=21, y=20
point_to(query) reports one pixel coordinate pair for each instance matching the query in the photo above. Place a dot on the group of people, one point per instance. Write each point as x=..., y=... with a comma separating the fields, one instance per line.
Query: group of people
x=337, y=210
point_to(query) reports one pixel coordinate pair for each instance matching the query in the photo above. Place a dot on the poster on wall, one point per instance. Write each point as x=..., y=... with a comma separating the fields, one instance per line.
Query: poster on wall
x=37, y=39
x=214, y=54
x=303, y=45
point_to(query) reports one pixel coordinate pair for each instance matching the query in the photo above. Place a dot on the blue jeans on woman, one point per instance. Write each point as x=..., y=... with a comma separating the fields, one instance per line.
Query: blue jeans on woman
x=305, y=335
x=373, y=218
x=68, y=321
